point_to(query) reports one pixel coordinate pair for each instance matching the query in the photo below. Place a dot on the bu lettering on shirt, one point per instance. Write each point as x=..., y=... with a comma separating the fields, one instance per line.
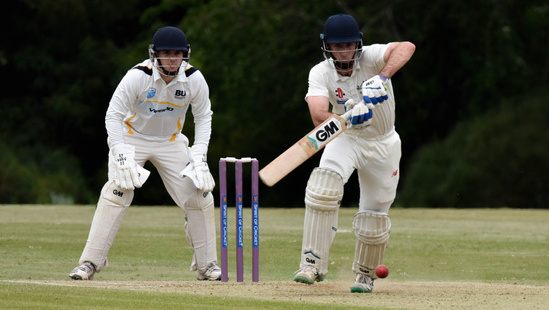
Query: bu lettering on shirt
x=180, y=94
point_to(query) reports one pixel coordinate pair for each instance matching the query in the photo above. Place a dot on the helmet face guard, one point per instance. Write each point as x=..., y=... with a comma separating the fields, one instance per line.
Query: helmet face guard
x=169, y=39
x=341, y=29
x=158, y=61
x=343, y=64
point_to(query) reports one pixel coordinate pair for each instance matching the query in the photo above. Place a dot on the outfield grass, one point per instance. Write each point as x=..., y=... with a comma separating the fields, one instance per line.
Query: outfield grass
x=500, y=255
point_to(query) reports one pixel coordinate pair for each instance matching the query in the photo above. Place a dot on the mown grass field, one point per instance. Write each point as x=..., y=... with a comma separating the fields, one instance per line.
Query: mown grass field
x=438, y=259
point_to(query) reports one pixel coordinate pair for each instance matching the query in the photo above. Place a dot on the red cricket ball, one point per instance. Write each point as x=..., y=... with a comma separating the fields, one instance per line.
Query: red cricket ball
x=382, y=271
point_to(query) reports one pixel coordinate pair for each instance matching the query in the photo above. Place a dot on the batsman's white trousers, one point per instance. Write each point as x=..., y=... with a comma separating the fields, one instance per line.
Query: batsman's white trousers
x=376, y=162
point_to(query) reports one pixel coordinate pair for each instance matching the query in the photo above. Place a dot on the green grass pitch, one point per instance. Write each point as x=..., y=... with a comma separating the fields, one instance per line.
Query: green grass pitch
x=438, y=258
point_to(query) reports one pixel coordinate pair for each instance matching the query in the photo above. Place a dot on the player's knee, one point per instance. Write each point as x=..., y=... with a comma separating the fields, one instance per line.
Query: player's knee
x=200, y=201
x=371, y=227
x=324, y=190
x=116, y=195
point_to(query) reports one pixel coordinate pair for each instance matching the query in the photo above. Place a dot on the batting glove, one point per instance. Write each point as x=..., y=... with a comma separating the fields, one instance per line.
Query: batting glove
x=374, y=89
x=127, y=175
x=350, y=104
x=361, y=115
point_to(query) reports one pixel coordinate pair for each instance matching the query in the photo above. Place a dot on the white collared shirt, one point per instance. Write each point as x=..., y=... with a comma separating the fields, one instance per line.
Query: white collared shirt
x=144, y=105
x=325, y=81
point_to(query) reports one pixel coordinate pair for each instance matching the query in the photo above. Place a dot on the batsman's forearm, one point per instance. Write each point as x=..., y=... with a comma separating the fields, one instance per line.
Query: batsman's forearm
x=397, y=58
x=318, y=117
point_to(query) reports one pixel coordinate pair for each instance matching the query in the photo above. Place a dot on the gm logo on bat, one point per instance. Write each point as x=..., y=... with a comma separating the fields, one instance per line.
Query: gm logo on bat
x=325, y=134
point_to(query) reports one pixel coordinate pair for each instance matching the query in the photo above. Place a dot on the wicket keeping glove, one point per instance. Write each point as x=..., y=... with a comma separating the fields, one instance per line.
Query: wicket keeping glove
x=374, y=89
x=202, y=178
x=361, y=113
x=127, y=175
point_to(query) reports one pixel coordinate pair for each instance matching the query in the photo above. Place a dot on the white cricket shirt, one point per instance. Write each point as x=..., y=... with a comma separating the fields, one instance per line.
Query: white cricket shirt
x=145, y=106
x=325, y=81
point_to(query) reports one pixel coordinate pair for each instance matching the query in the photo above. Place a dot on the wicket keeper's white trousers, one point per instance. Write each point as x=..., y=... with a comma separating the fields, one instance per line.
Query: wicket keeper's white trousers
x=169, y=158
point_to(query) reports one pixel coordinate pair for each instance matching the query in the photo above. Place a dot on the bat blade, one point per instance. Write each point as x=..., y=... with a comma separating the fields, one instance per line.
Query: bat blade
x=303, y=149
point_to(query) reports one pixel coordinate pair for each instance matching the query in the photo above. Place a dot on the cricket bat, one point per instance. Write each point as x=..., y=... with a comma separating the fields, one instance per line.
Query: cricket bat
x=303, y=149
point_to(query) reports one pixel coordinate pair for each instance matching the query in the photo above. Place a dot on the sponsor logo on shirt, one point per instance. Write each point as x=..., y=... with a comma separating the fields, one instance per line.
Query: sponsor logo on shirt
x=167, y=109
x=341, y=95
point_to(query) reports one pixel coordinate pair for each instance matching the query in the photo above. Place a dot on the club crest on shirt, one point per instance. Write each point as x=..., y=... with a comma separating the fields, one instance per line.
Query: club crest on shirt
x=151, y=92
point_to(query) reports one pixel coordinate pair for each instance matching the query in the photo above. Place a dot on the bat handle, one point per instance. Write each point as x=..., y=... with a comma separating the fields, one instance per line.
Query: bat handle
x=347, y=115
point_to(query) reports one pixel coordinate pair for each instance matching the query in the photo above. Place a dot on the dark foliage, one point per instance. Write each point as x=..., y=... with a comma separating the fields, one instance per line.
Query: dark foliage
x=63, y=59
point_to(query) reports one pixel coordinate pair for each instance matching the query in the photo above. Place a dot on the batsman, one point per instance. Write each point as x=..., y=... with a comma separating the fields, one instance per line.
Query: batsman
x=353, y=78
x=144, y=121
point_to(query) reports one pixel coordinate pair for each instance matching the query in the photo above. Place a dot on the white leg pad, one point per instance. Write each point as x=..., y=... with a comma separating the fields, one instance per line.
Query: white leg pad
x=200, y=229
x=372, y=232
x=190, y=241
x=109, y=213
x=322, y=200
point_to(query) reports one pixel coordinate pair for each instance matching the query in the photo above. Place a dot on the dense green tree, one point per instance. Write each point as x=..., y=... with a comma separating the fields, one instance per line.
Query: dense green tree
x=257, y=71
x=63, y=60
x=497, y=158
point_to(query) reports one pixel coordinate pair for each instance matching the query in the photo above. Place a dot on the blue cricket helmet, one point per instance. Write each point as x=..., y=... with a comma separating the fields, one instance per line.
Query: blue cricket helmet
x=170, y=39
x=341, y=28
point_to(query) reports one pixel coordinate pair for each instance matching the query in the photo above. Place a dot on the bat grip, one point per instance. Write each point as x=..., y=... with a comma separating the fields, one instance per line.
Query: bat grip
x=347, y=115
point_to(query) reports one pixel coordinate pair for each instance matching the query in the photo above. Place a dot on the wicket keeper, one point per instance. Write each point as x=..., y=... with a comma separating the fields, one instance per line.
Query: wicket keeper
x=144, y=122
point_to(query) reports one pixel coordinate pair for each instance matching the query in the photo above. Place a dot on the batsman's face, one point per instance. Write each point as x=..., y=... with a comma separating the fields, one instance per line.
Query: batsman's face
x=171, y=60
x=343, y=51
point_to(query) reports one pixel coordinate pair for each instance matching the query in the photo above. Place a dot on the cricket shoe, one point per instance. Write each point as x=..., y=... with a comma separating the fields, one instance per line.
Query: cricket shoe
x=307, y=274
x=212, y=273
x=85, y=271
x=363, y=284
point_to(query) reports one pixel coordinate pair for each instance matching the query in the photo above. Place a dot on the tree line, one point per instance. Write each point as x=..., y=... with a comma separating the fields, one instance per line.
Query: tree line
x=470, y=103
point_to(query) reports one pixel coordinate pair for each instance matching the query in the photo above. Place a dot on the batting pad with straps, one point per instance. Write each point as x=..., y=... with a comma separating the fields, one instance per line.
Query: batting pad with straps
x=109, y=213
x=322, y=200
x=200, y=230
x=372, y=235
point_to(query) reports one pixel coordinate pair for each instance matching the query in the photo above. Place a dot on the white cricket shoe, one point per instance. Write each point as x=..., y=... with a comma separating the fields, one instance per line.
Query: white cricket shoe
x=212, y=273
x=363, y=284
x=85, y=271
x=307, y=274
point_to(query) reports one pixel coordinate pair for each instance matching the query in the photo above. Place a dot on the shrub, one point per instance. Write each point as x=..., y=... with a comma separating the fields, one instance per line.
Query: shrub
x=498, y=159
